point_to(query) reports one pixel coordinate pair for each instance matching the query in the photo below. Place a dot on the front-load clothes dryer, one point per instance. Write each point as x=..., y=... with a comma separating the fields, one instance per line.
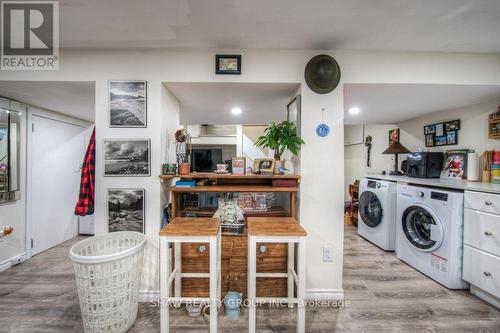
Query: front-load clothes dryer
x=430, y=232
x=377, y=212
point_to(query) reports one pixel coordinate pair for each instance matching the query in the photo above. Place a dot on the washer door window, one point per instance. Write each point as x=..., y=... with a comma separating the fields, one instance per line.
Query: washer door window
x=422, y=228
x=370, y=209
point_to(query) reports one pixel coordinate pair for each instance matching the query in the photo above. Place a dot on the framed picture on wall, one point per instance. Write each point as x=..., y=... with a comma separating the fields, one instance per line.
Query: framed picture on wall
x=228, y=64
x=293, y=113
x=429, y=129
x=429, y=140
x=126, y=209
x=127, y=104
x=393, y=136
x=127, y=158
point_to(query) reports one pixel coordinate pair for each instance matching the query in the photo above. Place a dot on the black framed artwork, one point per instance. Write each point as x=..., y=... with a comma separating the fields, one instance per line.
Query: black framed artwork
x=126, y=209
x=128, y=103
x=228, y=64
x=442, y=134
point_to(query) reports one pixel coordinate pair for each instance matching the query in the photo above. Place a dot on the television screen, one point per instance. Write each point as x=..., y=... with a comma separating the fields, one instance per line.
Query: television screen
x=206, y=160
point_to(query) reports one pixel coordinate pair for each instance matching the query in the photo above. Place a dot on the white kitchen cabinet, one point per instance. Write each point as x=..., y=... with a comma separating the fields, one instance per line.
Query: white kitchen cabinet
x=481, y=265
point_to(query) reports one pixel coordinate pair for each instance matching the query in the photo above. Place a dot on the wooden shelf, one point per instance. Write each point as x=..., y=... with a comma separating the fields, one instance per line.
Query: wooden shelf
x=494, y=136
x=211, y=212
x=232, y=188
x=212, y=175
x=493, y=121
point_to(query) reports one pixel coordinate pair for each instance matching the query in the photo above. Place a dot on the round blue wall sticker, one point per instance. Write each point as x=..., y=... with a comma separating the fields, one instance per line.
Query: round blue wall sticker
x=322, y=130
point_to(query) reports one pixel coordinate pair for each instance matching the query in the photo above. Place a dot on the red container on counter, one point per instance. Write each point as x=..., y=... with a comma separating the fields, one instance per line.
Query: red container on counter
x=496, y=157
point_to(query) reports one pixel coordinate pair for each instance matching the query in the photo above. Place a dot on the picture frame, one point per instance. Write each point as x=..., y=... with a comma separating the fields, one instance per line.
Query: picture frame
x=127, y=157
x=393, y=136
x=429, y=140
x=263, y=165
x=453, y=125
x=238, y=165
x=429, y=129
x=228, y=64
x=442, y=134
x=293, y=112
x=126, y=209
x=455, y=164
x=127, y=100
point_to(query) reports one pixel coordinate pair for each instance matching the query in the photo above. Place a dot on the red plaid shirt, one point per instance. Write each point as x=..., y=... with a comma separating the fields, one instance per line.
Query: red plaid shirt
x=85, y=204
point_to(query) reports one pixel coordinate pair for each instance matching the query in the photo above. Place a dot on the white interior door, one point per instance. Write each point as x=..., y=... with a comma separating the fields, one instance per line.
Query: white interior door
x=57, y=152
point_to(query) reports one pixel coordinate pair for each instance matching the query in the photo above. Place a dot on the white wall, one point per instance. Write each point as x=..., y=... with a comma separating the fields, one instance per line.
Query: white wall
x=473, y=133
x=356, y=155
x=322, y=167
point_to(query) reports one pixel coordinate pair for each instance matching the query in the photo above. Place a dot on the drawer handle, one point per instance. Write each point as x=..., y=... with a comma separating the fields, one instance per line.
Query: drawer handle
x=488, y=233
x=263, y=249
x=488, y=203
x=488, y=274
x=202, y=248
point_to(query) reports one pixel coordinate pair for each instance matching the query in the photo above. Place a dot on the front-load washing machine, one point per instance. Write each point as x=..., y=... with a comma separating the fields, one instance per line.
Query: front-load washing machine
x=430, y=232
x=377, y=212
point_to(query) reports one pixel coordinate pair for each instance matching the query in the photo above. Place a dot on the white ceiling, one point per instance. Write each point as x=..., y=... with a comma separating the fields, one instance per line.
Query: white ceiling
x=76, y=99
x=409, y=25
x=394, y=103
x=211, y=103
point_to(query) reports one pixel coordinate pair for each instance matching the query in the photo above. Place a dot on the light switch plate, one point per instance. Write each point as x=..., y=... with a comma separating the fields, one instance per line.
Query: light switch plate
x=327, y=253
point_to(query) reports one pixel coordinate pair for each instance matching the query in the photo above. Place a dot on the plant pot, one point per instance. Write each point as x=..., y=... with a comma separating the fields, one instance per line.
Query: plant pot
x=184, y=168
x=277, y=165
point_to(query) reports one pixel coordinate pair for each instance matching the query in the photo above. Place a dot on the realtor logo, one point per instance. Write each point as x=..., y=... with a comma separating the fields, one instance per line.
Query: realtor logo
x=29, y=35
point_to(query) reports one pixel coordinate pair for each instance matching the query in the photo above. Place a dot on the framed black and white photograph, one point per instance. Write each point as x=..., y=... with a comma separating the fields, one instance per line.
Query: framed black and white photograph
x=127, y=157
x=127, y=104
x=429, y=129
x=228, y=64
x=126, y=209
x=293, y=113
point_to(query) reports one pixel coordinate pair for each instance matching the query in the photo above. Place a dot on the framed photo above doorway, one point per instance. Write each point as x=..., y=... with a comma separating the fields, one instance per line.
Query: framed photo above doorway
x=228, y=64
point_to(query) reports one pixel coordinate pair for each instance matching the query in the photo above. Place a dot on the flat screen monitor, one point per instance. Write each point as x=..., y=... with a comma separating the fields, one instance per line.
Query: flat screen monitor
x=206, y=160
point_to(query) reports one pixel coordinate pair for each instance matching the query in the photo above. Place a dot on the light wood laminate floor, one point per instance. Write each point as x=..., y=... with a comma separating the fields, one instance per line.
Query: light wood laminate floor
x=385, y=295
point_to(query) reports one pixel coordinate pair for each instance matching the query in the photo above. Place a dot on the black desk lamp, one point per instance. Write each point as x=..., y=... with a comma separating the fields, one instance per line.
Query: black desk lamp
x=396, y=148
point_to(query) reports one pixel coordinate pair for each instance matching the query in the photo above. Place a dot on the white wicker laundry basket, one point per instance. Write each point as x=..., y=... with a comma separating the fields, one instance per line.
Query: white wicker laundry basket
x=108, y=275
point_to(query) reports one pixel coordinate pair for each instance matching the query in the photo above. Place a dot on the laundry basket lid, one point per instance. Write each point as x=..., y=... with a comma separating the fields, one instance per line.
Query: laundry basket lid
x=131, y=242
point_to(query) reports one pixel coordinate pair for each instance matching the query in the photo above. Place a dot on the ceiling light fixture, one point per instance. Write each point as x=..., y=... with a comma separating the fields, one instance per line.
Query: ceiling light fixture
x=354, y=110
x=236, y=111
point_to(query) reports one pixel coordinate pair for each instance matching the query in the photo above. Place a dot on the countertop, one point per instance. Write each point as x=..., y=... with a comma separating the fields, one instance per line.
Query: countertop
x=445, y=183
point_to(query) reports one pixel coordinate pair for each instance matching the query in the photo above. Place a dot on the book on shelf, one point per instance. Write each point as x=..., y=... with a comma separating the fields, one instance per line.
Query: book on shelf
x=185, y=183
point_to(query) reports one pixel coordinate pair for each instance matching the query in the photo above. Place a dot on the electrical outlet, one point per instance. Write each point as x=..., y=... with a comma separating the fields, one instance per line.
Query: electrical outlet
x=327, y=253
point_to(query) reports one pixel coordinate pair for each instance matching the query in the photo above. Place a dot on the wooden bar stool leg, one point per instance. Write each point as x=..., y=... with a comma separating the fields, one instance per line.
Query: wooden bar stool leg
x=252, y=280
x=213, y=284
x=291, y=267
x=301, y=286
x=178, y=267
x=164, y=285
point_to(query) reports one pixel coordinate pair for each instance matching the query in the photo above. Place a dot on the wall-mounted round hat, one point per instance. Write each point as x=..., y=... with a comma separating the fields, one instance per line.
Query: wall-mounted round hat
x=322, y=74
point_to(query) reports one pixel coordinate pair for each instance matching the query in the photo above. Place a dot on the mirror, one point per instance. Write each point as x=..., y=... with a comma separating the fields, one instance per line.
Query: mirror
x=10, y=125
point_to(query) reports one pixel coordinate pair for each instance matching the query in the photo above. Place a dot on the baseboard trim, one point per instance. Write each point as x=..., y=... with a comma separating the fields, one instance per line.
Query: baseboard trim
x=485, y=296
x=325, y=294
x=311, y=294
x=12, y=262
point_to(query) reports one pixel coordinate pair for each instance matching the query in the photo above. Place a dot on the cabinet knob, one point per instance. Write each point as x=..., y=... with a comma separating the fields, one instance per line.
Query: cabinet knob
x=487, y=274
x=263, y=249
x=202, y=248
x=488, y=203
x=488, y=233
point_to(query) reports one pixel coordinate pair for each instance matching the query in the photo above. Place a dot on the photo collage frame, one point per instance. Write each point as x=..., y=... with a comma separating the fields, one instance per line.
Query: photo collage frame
x=442, y=134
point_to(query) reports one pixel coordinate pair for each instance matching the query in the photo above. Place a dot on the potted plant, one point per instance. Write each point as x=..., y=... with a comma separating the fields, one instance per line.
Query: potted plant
x=280, y=137
x=182, y=151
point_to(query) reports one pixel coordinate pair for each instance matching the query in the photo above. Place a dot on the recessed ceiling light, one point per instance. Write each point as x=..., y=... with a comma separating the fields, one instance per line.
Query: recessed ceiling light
x=354, y=110
x=235, y=111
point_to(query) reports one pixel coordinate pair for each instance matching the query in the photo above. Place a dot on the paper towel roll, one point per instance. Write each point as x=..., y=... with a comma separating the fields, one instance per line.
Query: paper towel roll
x=472, y=167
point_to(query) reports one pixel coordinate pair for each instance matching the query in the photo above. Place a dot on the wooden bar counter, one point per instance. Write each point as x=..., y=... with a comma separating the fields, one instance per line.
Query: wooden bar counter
x=271, y=258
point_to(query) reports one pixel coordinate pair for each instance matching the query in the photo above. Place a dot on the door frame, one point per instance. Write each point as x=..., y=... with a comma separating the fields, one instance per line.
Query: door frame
x=37, y=112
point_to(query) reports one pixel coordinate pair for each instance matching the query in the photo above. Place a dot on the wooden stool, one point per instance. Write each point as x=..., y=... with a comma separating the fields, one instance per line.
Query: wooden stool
x=277, y=230
x=189, y=230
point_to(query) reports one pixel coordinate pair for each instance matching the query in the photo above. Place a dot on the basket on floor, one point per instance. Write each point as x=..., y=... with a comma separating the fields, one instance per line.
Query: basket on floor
x=108, y=273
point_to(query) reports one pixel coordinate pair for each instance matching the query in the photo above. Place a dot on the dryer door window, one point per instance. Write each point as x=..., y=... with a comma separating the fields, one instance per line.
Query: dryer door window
x=370, y=209
x=422, y=229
